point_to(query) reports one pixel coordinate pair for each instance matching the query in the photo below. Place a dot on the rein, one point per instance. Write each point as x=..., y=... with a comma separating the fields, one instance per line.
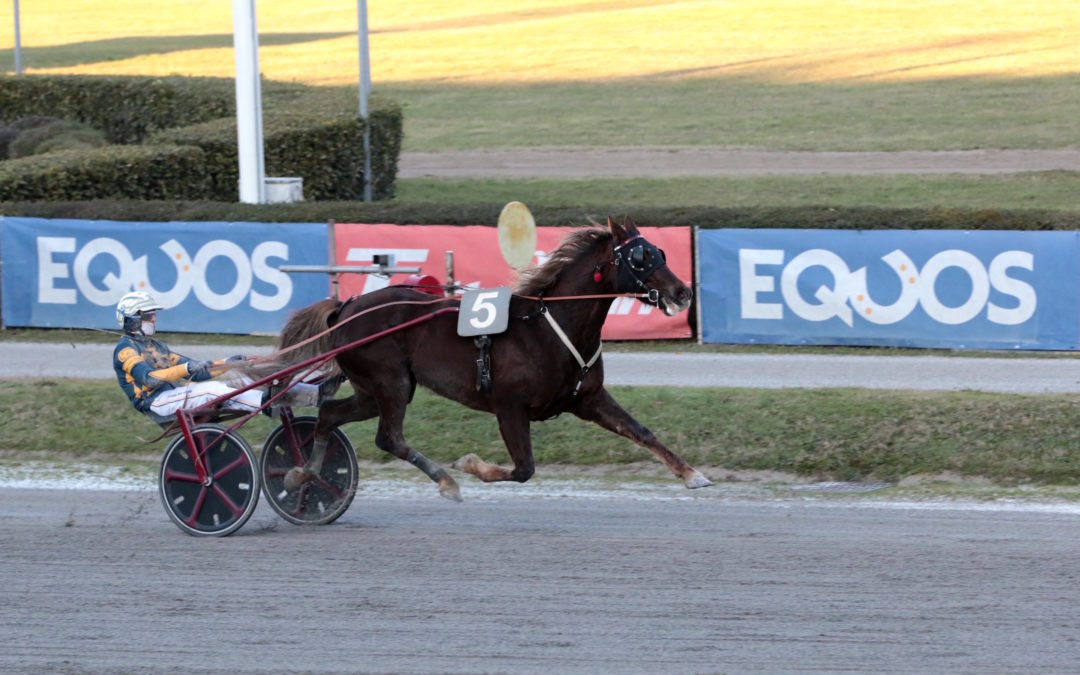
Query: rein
x=274, y=357
x=585, y=365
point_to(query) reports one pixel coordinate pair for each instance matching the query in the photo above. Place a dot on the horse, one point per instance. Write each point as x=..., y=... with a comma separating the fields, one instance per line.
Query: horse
x=547, y=361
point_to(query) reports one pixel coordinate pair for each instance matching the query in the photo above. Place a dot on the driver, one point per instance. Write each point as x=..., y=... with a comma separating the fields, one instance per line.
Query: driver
x=158, y=381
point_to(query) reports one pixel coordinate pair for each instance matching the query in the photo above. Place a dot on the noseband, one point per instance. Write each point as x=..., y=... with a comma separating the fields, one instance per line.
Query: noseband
x=635, y=260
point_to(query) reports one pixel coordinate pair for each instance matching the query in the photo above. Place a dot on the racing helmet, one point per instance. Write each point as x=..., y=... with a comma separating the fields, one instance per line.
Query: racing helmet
x=131, y=306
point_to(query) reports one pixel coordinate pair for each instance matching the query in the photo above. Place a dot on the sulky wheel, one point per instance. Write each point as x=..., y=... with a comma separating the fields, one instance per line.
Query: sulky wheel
x=222, y=503
x=324, y=498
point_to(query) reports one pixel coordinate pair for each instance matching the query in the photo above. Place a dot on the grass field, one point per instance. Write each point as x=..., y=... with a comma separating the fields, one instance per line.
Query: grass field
x=821, y=434
x=837, y=75
x=1044, y=190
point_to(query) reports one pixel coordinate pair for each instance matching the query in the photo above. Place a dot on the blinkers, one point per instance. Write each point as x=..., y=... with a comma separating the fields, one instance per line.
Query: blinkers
x=636, y=259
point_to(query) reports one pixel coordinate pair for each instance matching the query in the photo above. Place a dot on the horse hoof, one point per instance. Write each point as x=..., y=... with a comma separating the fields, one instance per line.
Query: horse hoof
x=465, y=463
x=296, y=477
x=448, y=488
x=697, y=480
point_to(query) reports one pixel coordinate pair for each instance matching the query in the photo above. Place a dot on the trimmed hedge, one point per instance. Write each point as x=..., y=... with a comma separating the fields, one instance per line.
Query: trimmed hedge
x=112, y=172
x=62, y=135
x=481, y=214
x=127, y=109
x=327, y=152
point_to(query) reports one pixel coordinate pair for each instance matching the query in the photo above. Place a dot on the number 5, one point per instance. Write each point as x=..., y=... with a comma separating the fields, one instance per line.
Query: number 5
x=483, y=304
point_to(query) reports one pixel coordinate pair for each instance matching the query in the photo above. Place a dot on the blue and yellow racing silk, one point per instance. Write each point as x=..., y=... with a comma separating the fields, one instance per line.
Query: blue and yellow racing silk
x=145, y=367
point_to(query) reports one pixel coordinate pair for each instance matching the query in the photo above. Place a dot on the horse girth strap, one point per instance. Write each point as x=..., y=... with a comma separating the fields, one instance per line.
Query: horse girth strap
x=585, y=365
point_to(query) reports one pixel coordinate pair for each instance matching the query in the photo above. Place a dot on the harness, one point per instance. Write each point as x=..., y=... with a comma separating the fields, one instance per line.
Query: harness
x=585, y=365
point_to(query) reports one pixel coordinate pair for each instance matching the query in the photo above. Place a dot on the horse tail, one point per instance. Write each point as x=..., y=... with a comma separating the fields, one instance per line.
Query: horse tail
x=306, y=330
x=304, y=336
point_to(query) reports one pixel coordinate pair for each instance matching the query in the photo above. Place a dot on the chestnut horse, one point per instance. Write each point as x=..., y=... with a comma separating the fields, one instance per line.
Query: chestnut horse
x=546, y=362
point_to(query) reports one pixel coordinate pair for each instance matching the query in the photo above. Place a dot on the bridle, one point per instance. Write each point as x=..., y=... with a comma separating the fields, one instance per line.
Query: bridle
x=635, y=260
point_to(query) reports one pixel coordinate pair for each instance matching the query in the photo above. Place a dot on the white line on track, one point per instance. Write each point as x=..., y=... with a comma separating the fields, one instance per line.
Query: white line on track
x=75, y=476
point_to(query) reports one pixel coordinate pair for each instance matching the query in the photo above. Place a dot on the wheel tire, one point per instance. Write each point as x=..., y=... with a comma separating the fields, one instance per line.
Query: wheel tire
x=225, y=505
x=322, y=500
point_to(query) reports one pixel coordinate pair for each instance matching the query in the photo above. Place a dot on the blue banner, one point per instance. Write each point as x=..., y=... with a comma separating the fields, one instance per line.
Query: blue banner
x=928, y=288
x=210, y=277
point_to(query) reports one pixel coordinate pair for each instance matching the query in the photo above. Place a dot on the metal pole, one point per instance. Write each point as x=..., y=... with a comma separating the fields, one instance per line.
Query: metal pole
x=449, y=258
x=330, y=227
x=18, y=42
x=365, y=90
x=249, y=131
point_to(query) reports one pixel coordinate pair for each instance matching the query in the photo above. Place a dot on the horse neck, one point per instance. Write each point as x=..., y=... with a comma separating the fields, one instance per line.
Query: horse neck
x=583, y=319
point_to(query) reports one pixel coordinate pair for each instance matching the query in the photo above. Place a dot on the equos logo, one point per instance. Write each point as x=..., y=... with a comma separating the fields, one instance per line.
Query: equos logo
x=126, y=272
x=848, y=295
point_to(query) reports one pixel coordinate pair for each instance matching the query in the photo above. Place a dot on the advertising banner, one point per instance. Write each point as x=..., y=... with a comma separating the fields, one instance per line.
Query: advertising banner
x=951, y=289
x=478, y=263
x=211, y=277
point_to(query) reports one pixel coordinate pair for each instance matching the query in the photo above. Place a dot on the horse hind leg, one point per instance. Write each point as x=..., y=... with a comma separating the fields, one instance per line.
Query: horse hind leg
x=390, y=438
x=332, y=414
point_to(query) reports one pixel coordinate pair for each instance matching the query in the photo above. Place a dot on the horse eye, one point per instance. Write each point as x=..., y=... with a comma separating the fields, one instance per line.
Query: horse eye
x=663, y=256
x=637, y=258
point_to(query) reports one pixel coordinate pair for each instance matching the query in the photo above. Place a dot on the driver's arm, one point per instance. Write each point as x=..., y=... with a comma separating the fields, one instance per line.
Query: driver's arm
x=145, y=377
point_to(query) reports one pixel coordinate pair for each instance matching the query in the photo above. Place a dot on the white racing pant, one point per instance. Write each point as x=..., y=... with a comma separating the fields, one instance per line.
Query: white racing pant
x=195, y=394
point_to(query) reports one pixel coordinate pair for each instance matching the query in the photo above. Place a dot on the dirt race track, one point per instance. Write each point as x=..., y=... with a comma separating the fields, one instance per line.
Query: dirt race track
x=102, y=582
x=691, y=582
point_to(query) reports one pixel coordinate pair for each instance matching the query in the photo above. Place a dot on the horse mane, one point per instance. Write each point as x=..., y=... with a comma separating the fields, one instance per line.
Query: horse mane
x=541, y=277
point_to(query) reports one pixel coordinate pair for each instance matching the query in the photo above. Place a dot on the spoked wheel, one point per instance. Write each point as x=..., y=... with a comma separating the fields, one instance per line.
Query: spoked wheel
x=220, y=505
x=325, y=497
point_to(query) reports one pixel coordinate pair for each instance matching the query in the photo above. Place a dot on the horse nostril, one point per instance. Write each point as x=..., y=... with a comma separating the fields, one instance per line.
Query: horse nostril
x=685, y=295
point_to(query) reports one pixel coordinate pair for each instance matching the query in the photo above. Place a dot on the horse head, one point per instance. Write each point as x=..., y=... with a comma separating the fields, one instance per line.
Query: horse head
x=641, y=267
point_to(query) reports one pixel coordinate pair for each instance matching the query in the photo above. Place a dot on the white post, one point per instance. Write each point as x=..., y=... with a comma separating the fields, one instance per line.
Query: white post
x=249, y=128
x=18, y=42
x=365, y=90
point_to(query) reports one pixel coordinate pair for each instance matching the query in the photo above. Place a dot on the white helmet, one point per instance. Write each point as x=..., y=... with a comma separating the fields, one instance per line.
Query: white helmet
x=132, y=305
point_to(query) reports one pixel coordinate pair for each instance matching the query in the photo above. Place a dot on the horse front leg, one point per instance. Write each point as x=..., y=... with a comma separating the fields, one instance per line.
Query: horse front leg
x=602, y=409
x=514, y=428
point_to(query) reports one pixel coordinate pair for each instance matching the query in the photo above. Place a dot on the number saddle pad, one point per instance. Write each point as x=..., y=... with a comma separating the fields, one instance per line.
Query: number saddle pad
x=484, y=311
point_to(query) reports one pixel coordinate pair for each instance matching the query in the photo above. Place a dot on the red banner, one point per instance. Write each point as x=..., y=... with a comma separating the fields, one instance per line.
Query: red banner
x=479, y=263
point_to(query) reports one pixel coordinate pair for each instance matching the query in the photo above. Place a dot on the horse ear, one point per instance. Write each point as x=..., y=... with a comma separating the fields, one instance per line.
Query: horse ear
x=618, y=231
x=630, y=226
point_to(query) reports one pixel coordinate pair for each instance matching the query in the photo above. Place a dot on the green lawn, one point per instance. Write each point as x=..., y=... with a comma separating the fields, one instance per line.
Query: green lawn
x=823, y=434
x=1055, y=190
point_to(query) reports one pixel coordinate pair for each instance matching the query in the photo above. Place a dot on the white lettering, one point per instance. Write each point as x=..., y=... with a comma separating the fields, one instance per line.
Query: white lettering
x=909, y=291
x=109, y=280
x=114, y=286
x=220, y=248
x=1022, y=291
x=980, y=287
x=271, y=275
x=184, y=277
x=750, y=283
x=50, y=270
x=849, y=290
x=832, y=301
